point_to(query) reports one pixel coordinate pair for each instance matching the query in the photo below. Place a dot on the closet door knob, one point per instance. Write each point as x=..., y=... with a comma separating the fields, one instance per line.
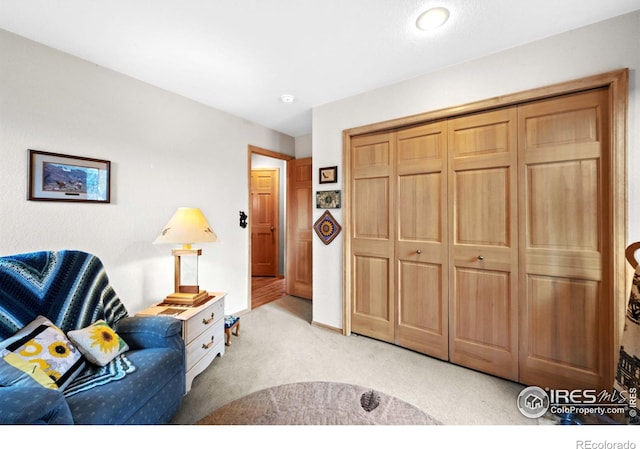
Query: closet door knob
x=480, y=257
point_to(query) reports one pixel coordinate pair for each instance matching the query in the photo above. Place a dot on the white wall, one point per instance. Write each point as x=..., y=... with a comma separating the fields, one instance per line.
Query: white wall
x=303, y=146
x=166, y=151
x=599, y=48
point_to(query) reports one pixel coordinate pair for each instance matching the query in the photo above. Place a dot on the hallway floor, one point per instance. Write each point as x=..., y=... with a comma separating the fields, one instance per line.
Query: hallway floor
x=266, y=289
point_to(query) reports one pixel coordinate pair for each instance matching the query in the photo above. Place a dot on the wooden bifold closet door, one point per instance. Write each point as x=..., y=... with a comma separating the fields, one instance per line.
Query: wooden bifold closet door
x=483, y=253
x=565, y=242
x=481, y=239
x=372, y=243
x=421, y=242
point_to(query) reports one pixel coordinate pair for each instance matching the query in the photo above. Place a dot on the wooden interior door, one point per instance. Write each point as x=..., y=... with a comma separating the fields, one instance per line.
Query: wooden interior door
x=422, y=248
x=373, y=236
x=264, y=222
x=299, y=270
x=566, y=321
x=483, y=254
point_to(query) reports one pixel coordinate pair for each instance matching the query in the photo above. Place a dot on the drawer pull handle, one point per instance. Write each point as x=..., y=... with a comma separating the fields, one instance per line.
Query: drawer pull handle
x=208, y=345
x=480, y=257
x=207, y=321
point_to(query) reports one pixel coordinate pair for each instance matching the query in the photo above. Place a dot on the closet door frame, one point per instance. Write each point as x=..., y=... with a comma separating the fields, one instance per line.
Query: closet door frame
x=617, y=82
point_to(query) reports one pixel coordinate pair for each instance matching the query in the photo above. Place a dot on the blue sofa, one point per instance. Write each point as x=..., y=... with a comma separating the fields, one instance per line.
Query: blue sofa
x=143, y=385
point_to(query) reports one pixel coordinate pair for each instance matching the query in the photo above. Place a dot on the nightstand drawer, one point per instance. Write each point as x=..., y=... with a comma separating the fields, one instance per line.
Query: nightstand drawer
x=203, y=363
x=205, y=319
x=207, y=342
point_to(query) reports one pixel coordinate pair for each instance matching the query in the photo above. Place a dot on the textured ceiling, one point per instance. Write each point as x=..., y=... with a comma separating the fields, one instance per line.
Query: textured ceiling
x=240, y=56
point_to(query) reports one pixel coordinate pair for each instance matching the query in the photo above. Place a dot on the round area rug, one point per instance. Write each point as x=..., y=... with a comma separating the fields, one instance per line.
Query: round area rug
x=318, y=403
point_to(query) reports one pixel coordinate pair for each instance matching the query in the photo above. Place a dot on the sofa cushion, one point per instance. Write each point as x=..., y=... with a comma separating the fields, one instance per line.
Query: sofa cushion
x=44, y=346
x=98, y=342
x=32, y=405
x=150, y=395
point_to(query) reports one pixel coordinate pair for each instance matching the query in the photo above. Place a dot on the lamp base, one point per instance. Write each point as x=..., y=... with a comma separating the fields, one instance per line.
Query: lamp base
x=190, y=299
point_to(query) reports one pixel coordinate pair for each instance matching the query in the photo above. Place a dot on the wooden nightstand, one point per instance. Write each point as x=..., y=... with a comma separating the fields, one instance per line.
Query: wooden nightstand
x=202, y=331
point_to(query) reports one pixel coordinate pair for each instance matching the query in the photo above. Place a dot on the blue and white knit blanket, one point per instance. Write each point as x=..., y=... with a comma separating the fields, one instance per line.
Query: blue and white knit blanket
x=93, y=375
x=69, y=287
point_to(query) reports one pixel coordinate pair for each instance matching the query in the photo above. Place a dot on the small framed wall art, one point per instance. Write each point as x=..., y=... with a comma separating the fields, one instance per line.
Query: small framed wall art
x=328, y=199
x=328, y=175
x=60, y=177
x=326, y=227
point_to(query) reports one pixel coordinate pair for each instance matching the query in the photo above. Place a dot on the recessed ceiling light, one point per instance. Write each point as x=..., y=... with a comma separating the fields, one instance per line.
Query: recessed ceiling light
x=287, y=98
x=432, y=18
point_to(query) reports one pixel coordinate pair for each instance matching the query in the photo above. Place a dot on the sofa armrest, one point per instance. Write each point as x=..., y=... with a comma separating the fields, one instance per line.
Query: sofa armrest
x=151, y=332
x=33, y=405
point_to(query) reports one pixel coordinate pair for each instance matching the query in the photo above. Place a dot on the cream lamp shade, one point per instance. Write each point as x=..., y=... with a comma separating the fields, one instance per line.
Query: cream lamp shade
x=187, y=226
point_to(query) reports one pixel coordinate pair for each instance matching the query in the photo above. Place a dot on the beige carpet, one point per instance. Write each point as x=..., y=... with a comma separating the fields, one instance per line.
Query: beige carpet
x=318, y=403
x=278, y=345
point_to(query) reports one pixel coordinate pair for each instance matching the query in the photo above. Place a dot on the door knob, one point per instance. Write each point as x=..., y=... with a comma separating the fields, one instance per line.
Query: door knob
x=272, y=228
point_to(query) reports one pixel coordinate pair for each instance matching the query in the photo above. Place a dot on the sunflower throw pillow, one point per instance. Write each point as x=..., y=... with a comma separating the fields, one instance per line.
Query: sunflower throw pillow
x=42, y=351
x=99, y=343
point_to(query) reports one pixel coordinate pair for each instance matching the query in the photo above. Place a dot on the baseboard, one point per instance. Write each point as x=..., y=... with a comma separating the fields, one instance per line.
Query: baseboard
x=326, y=326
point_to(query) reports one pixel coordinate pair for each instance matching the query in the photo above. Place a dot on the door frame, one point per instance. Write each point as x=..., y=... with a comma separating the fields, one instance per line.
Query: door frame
x=252, y=149
x=617, y=82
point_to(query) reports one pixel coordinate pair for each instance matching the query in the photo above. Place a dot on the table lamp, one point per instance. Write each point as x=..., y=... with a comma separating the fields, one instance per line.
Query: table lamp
x=186, y=227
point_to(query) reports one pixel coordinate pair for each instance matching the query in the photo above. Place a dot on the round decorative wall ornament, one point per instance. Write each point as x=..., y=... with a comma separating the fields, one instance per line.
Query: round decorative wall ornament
x=327, y=227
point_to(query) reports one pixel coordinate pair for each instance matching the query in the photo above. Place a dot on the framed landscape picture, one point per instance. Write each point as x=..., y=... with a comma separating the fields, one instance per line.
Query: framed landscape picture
x=60, y=177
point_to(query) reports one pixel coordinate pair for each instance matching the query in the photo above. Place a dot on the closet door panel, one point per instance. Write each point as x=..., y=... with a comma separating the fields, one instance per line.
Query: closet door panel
x=420, y=195
x=483, y=256
x=576, y=185
x=372, y=240
x=482, y=210
x=549, y=318
x=371, y=217
x=488, y=301
x=421, y=248
x=416, y=313
x=371, y=308
x=565, y=316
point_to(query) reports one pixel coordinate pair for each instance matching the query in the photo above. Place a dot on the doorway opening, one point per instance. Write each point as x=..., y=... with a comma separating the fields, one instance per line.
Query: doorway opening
x=280, y=246
x=267, y=218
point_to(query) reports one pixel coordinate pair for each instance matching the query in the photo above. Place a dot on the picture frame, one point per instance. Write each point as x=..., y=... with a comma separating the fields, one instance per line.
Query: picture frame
x=62, y=177
x=328, y=199
x=328, y=175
